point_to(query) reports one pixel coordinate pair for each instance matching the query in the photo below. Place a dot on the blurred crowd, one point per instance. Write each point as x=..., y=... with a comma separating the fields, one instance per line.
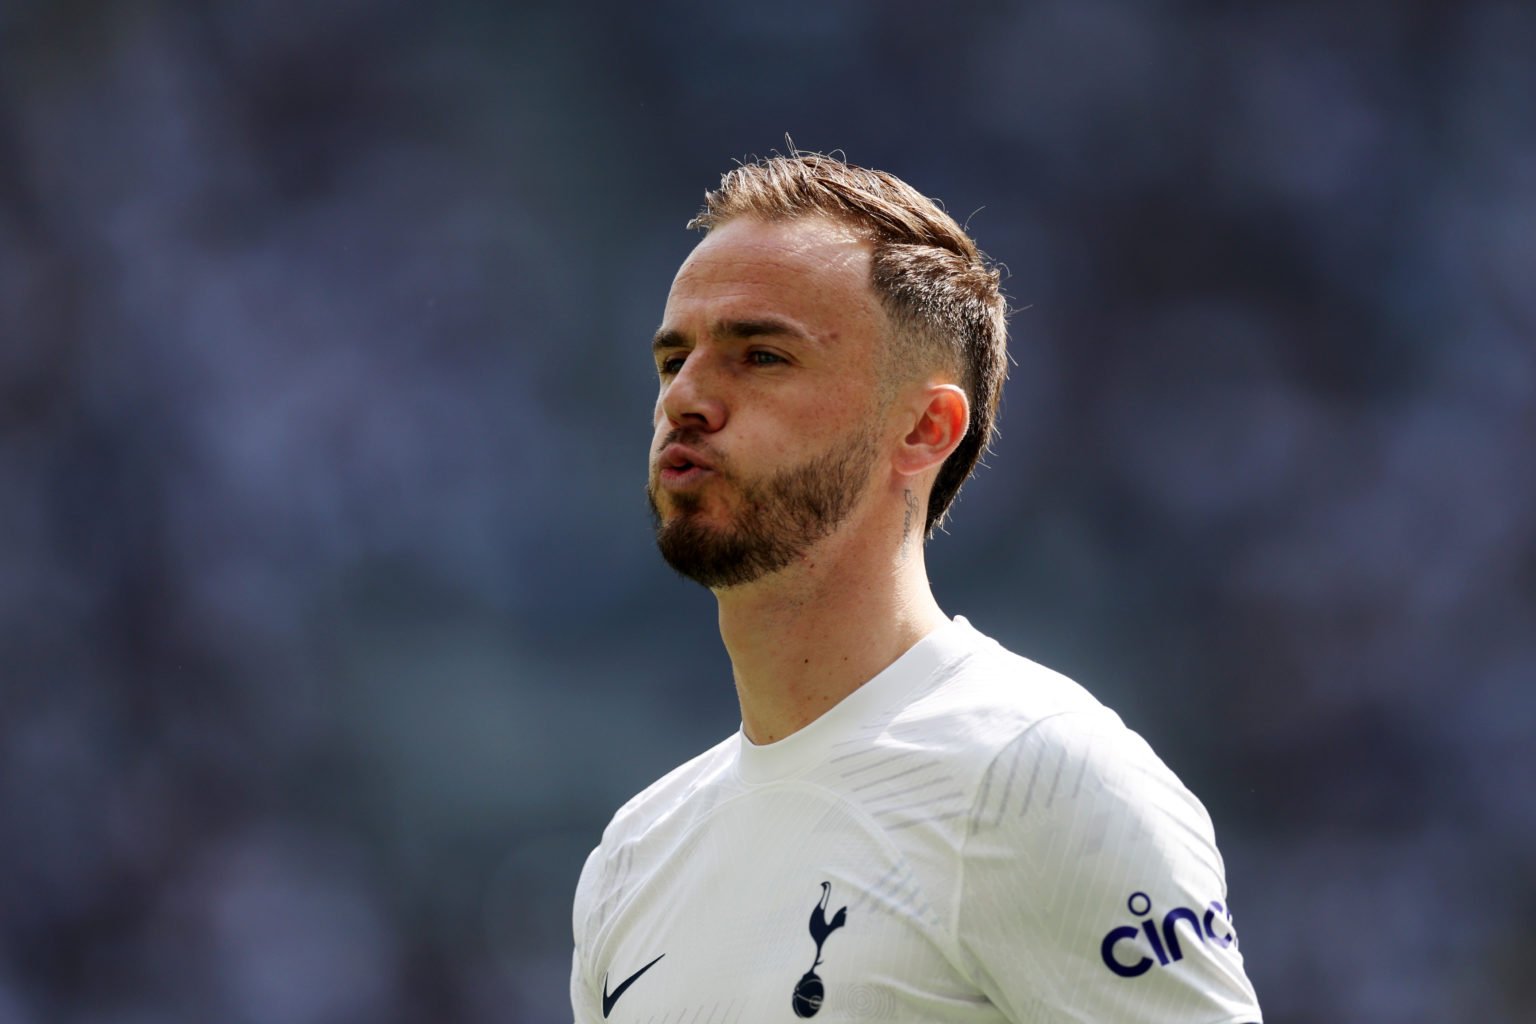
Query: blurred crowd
x=331, y=630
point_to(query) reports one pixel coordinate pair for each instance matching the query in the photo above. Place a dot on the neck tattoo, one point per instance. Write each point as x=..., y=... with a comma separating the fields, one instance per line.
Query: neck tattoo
x=906, y=524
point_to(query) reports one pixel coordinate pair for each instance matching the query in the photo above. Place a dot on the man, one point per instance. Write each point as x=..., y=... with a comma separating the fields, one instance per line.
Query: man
x=912, y=824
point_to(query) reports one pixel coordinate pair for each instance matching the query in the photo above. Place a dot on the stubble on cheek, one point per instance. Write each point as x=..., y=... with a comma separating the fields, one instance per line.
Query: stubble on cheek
x=772, y=522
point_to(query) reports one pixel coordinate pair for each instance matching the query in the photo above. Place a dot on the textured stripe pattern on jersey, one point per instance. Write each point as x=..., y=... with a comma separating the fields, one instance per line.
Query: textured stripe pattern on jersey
x=968, y=837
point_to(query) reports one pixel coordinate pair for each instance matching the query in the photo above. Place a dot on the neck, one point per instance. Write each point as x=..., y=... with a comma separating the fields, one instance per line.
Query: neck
x=809, y=636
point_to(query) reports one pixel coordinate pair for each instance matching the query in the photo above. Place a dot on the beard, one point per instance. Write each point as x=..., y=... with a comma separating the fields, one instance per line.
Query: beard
x=779, y=520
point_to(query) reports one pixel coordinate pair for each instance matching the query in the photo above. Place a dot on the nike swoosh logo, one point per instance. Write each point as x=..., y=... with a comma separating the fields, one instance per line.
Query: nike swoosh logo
x=609, y=1000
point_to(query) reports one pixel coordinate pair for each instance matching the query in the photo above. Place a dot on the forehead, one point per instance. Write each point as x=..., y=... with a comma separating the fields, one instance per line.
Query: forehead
x=812, y=270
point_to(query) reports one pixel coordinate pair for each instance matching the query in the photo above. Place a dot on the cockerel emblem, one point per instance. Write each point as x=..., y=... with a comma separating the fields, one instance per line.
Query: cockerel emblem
x=809, y=992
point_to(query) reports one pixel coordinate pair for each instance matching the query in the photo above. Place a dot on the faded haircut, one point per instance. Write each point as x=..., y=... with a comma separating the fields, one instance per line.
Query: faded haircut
x=939, y=291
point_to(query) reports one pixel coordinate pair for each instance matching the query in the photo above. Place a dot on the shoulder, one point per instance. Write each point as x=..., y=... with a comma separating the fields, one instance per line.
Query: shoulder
x=1084, y=774
x=1084, y=849
x=1061, y=766
x=1042, y=761
x=985, y=698
x=1083, y=853
x=984, y=732
x=671, y=793
x=636, y=837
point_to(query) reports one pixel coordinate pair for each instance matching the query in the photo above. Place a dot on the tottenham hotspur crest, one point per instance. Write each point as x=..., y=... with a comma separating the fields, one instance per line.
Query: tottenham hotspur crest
x=809, y=991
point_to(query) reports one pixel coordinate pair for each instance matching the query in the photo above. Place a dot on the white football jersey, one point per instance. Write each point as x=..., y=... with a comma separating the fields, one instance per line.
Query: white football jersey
x=967, y=837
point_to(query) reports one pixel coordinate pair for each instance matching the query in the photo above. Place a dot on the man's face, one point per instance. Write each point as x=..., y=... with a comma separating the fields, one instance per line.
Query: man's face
x=767, y=419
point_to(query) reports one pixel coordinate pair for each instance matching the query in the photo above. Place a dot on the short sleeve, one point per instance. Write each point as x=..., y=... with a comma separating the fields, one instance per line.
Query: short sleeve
x=1091, y=888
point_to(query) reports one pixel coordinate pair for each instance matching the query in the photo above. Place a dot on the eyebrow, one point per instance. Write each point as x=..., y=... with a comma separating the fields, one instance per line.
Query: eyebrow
x=740, y=330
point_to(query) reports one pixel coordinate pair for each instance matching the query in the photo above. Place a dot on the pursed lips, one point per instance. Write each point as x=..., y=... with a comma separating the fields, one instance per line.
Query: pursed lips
x=679, y=465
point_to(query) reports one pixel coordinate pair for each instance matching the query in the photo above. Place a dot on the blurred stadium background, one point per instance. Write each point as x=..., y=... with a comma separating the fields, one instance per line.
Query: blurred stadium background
x=330, y=628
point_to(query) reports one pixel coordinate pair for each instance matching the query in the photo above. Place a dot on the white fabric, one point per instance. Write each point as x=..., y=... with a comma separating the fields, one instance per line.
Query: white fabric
x=1005, y=848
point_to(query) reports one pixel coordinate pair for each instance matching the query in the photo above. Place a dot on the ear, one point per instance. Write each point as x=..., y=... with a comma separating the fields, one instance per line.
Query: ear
x=940, y=415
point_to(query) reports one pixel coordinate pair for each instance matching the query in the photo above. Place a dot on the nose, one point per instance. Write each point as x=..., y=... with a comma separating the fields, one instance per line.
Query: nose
x=694, y=397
